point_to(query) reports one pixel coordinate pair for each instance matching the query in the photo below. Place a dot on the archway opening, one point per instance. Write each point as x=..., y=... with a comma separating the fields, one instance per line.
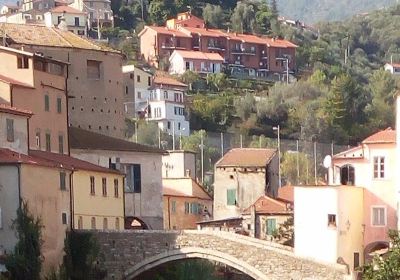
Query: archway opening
x=379, y=248
x=135, y=223
x=193, y=269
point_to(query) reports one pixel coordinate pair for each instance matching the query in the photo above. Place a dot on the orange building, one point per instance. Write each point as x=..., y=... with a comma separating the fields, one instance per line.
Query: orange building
x=185, y=203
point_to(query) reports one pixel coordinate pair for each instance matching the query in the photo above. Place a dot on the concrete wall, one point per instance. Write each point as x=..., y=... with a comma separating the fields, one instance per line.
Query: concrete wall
x=20, y=143
x=176, y=163
x=88, y=206
x=146, y=205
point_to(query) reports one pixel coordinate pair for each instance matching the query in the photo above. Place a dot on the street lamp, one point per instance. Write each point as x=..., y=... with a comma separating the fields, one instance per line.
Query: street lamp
x=278, y=129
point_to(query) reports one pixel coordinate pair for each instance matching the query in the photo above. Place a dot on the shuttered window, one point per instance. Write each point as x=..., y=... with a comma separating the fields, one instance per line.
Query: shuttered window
x=271, y=226
x=378, y=216
x=10, y=130
x=63, y=185
x=231, y=196
x=187, y=207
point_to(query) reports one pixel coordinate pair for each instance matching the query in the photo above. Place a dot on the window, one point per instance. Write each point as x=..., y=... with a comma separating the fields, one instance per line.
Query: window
x=105, y=223
x=91, y=14
x=378, y=216
x=149, y=81
x=23, y=62
x=231, y=196
x=106, y=16
x=46, y=103
x=116, y=191
x=133, y=180
x=173, y=206
x=379, y=167
x=138, y=78
x=93, y=223
x=187, y=207
x=139, y=95
x=117, y=223
x=187, y=65
x=59, y=104
x=169, y=125
x=91, y=4
x=76, y=21
x=48, y=142
x=165, y=94
x=93, y=69
x=63, y=185
x=80, y=222
x=126, y=90
x=37, y=140
x=331, y=220
x=271, y=226
x=64, y=218
x=179, y=126
x=356, y=261
x=194, y=208
x=104, y=186
x=157, y=112
x=10, y=130
x=60, y=144
x=92, y=186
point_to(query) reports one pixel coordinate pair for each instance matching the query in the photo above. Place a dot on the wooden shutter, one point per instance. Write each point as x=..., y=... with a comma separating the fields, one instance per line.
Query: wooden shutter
x=271, y=226
x=231, y=196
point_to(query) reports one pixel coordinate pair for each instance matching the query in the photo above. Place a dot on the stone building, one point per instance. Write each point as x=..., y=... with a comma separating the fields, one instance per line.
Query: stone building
x=241, y=176
x=95, y=80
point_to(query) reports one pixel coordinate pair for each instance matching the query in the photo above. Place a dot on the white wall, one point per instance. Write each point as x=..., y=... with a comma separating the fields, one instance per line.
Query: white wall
x=175, y=164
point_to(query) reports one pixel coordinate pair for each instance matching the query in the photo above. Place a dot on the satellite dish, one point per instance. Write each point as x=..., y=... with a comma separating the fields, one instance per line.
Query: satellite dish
x=327, y=161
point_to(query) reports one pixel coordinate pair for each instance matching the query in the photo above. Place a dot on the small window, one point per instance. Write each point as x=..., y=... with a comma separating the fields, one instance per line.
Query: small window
x=59, y=105
x=169, y=125
x=139, y=95
x=117, y=223
x=138, y=78
x=104, y=186
x=230, y=176
x=105, y=223
x=149, y=81
x=46, y=103
x=63, y=185
x=93, y=69
x=116, y=191
x=187, y=207
x=331, y=220
x=92, y=186
x=60, y=144
x=64, y=218
x=378, y=216
x=48, y=142
x=165, y=94
x=76, y=21
x=126, y=90
x=23, y=62
x=231, y=196
x=173, y=206
x=93, y=223
x=80, y=222
x=10, y=130
x=38, y=140
x=379, y=167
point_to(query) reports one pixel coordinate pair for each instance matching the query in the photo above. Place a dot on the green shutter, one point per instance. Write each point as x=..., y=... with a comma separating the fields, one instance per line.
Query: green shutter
x=231, y=196
x=271, y=226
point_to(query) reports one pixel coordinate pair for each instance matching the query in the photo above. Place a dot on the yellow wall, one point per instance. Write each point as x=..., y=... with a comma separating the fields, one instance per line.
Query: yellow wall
x=98, y=206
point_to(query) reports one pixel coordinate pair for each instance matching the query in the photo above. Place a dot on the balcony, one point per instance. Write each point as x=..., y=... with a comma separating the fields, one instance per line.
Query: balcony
x=216, y=47
x=244, y=51
x=264, y=55
x=171, y=46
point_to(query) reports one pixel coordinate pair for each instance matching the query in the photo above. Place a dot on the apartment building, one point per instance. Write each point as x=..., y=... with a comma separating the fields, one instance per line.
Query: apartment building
x=244, y=54
x=95, y=78
x=73, y=20
x=33, y=82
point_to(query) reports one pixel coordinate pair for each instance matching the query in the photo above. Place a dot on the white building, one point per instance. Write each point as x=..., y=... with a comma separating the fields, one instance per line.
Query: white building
x=75, y=20
x=393, y=68
x=9, y=9
x=200, y=62
x=166, y=106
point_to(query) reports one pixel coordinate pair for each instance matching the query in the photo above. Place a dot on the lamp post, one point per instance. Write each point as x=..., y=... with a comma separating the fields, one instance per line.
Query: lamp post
x=278, y=129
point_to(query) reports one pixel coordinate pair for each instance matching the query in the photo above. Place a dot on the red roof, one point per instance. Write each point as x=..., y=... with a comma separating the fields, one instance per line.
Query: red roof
x=164, y=79
x=279, y=43
x=204, y=31
x=71, y=162
x=66, y=9
x=247, y=157
x=397, y=65
x=385, y=136
x=14, y=82
x=173, y=187
x=199, y=55
x=4, y=108
x=166, y=31
x=268, y=205
x=248, y=38
x=286, y=194
x=12, y=157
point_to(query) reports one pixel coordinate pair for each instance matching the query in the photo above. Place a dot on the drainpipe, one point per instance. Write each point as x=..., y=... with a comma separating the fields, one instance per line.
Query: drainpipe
x=71, y=200
x=169, y=214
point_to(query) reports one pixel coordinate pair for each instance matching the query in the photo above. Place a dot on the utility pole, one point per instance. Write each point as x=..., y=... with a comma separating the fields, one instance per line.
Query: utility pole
x=278, y=129
x=241, y=141
x=315, y=163
x=202, y=155
x=222, y=144
x=297, y=162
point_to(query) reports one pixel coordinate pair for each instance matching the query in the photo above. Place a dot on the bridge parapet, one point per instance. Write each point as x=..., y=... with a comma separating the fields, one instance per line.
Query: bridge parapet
x=128, y=253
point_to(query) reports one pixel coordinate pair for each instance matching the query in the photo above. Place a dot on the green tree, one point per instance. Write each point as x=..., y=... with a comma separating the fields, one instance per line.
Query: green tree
x=26, y=260
x=245, y=106
x=160, y=11
x=294, y=164
x=263, y=18
x=217, y=81
x=243, y=18
x=213, y=16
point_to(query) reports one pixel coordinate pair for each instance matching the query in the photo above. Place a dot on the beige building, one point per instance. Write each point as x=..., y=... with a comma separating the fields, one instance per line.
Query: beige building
x=37, y=83
x=95, y=80
x=185, y=203
x=242, y=176
x=140, y=163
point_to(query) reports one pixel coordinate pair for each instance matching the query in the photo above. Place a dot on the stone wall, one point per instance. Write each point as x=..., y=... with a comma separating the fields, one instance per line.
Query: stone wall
x=126, y=254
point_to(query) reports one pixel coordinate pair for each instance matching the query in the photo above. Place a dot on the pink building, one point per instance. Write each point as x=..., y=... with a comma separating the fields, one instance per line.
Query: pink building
x=201, y=62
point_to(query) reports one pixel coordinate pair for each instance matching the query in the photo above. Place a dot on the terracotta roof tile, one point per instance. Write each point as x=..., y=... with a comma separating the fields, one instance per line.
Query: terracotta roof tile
x=397, y=65
x=38, y=35
x=286, y=193
x=71, y=162
x=384, y=136
x=14, y=82
x=11, y=157
x=87, y=140
x=178, y=186
x=279, y=43
x=5, y=108
x=247, y=157
x=268, y=205
x=199, y=55
x=66, y=9
x=166, y=31
x=161, y=78
x=247, y=38
x=204, y=32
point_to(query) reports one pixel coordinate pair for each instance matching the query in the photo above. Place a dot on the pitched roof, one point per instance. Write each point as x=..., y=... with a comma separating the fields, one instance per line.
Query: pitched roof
x=5, y=108
x=268, y=205
x=199, y=55
x=397, y=65
x=38, y=35
x=11, y=157
x=14, y=82
x=70, y=162
x=247, y=157
x=286, y=193
x=66, y=9
x=164, y=79
x=279, y=43
x=184, y=187
x=87, y=140
x=164, y=30
x=248, y=38
x=384, y=136
x=204, y=31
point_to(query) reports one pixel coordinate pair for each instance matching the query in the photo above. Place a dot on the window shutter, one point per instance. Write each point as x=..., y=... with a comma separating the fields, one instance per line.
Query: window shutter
x=231, y=196
x=10, y=130
x=137, y=180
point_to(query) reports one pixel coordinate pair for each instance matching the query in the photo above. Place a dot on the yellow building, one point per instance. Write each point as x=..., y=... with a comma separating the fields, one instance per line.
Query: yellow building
x=97, y=193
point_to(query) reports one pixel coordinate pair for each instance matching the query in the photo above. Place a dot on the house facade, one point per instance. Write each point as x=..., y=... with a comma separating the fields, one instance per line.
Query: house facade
x=9, y=9
x=179, y=164
x=203, y=63
x=393, y=68
x=95, y=90
x=140, y=163
x=241, y=176
x=185, y=203
x=75, y=20
x=37, y=83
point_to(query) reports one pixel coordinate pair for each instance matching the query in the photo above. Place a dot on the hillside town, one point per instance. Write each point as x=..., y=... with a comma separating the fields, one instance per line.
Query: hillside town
x=96, y=142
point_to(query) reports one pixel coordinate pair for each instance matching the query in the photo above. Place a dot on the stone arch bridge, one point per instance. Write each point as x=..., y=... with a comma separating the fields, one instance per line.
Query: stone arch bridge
x=127, y=254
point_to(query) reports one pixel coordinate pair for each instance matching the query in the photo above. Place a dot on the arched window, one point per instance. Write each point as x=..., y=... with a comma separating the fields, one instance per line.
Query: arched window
x=347, y=176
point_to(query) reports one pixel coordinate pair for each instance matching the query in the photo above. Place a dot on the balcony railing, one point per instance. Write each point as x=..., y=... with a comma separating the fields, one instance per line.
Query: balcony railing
x=171, y=46
x=215, y=47
x=244, y=51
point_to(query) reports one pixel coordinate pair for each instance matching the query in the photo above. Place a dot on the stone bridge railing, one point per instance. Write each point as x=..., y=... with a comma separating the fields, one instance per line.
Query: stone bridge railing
x=126, y=254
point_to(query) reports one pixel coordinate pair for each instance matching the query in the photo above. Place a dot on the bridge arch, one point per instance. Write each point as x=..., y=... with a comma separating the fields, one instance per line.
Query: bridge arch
x=190, y=253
